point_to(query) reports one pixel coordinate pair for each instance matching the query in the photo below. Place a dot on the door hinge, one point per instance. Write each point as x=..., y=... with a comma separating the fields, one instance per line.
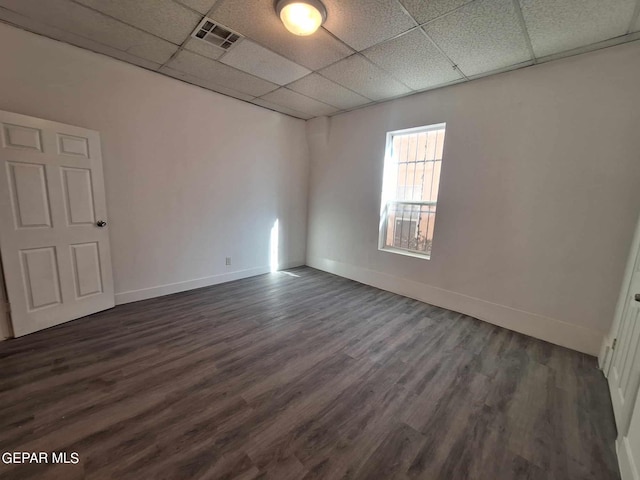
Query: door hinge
x=613, y=346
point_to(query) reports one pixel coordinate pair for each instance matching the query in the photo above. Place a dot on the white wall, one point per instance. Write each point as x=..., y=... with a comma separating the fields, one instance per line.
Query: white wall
x=539, y=196
x=191, y=176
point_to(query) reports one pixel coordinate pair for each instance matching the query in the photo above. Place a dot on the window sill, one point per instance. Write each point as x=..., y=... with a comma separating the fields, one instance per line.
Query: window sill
x=406, y=253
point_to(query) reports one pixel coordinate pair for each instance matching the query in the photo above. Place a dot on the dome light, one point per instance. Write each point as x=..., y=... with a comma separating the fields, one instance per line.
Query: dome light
x=301, y=17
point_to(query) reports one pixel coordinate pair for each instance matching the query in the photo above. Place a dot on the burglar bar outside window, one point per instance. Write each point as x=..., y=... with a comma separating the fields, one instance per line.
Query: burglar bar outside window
x=412, y=165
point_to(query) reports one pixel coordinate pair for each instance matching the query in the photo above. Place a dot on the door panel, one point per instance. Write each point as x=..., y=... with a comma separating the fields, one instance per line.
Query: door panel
x=629, y=354
x=78, y=196
x=56, y=258
x=87, y=271
x=21, y=137
x=68, y=145
x=42, y=281
x=29, y=195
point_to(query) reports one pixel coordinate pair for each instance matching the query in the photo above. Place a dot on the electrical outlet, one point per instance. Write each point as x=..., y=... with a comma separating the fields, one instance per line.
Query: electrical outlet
x=227, y=261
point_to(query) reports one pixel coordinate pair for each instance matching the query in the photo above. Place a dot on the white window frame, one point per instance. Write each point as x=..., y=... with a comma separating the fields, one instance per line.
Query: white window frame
x=386, y=198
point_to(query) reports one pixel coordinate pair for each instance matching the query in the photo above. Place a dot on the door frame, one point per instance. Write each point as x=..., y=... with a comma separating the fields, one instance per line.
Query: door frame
x=606, y=350
x=6, y=329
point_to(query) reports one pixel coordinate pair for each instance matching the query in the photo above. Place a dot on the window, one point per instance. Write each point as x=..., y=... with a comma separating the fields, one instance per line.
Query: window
x=412, y=164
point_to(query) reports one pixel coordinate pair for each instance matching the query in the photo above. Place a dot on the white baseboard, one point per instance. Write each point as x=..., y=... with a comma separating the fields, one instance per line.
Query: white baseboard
x=160, y=290
x=555, y=331
x=628, y=468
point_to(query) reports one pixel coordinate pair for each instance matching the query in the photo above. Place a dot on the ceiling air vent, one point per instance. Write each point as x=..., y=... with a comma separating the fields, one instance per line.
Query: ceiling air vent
x=216, y=34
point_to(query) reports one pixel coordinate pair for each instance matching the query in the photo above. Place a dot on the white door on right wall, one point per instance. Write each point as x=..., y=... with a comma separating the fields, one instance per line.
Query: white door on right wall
x=624, y=373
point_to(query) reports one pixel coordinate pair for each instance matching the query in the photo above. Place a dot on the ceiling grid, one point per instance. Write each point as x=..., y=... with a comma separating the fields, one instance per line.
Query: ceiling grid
x=525, y=31
x=367, y=51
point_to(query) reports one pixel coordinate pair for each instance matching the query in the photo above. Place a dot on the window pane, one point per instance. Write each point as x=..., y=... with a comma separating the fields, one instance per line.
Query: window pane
x=410, y=189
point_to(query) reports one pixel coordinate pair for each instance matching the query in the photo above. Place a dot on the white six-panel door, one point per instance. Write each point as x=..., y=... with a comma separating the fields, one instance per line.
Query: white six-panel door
x=55, y=255
x=624, y=373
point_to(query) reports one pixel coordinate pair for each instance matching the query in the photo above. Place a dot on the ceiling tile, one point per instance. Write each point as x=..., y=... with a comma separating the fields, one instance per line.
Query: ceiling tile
x=414, y=60
x=204, y=83
x=295, y=101
x=279, y=108
x=426, y=11
x=482, y=36
x=264, y=26
x=559, y=25
x=318, y=87
x=52, y=32
x=256, y=60
x=360, y=75
x=204, y=48
x=202, y=6
x=84, y=22
x=362, y=23
x=220, y=74
x=163, y=18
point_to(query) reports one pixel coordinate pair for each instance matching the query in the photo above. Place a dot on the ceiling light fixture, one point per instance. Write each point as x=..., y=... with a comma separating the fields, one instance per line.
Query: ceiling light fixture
x=301, y=17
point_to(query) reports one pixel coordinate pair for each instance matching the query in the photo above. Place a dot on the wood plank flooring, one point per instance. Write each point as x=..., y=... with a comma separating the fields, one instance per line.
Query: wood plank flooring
x=300, y=375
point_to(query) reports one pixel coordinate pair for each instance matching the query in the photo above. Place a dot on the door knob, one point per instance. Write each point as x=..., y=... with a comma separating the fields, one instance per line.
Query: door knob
x=637, y=297
x=101, y=223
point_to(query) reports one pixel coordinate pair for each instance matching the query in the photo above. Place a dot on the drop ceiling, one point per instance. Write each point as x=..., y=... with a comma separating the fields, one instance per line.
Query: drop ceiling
x=368, y=51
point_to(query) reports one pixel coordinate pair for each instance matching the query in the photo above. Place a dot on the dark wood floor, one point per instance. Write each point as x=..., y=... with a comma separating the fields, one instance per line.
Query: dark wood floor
x=301, y=375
